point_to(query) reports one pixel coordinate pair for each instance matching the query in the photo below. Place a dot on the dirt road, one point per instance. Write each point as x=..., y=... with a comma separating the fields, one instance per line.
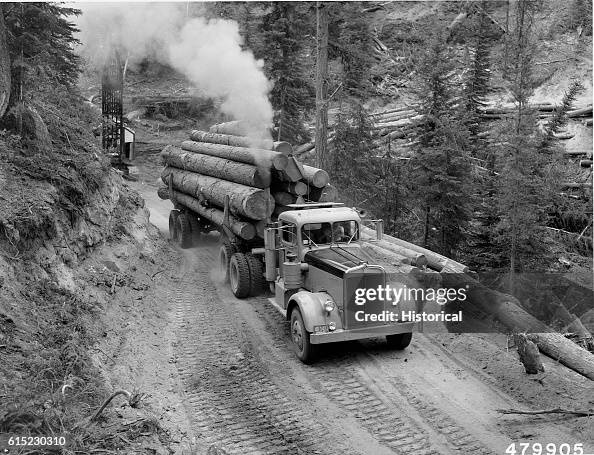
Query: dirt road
x=243, y=390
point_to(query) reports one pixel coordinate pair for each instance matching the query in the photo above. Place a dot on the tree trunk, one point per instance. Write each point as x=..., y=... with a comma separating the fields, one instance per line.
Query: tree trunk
x=316, y=177
x=257, y=157
x=240, y=141
x=4, y=67
x=242, y=173
x=234, y=127
x=584, y=112
x=243, y=229
x=250, y=202
x=414, y=257
x=321, y=83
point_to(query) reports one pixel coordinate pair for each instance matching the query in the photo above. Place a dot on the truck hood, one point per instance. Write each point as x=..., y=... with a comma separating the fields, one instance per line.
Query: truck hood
x=336, y=260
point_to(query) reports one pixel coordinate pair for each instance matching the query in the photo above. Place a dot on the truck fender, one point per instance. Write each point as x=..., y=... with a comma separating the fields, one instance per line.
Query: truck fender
x=310, y=306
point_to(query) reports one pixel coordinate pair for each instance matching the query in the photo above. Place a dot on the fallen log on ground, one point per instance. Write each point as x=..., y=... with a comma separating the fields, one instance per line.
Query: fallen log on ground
x=245, y=174
x=235, y=127
x=252, y=203
x=257, y=157
x=163, y=193
x=584, y=413
x=316, y=177
x=507, y=310
x=241, y=141
x=243, y=229
x=583, y=112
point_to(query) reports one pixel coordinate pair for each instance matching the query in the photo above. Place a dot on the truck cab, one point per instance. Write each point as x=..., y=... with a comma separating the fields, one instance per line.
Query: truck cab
x=318, y=263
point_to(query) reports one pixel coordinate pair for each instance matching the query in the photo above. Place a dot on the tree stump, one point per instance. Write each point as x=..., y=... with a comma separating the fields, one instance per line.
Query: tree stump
x=529, y=354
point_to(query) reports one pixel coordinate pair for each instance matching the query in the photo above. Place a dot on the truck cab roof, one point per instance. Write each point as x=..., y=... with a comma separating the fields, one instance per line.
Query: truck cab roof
x=320, y=215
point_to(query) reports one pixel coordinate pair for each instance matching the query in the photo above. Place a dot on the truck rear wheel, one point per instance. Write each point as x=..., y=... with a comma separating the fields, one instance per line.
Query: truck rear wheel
x=399, y=341
x=239, y=275
x=304, y=350
x=225, y=252
x=257, y=280
x=184, y=231
x=173, y=233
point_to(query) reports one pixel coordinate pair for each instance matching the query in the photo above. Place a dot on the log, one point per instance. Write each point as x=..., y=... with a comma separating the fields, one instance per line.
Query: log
x=386, y=255
x=316, y=177
x=257, y=157
x=576, y=185
x=327, y=194
x=252, y=203
x=235, y=127
x=245, y=174
x=564, y=136
x=241, y=141
x=583, y=112
x=295, y=188
x=304, y=148
x=578, y=413
x=283, y=198
x=416, y=258
x=243, y=229
x=293, y=171
x=529, y=355
x=163, y=193
x=566, y=352
x=576, y=152
x=434, y=260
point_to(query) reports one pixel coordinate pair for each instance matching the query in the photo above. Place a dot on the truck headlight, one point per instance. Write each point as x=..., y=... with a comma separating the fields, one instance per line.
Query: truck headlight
x=329, y=305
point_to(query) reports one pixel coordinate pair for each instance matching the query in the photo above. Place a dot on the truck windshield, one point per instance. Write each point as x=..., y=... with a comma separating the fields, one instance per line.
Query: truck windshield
x=327, y=233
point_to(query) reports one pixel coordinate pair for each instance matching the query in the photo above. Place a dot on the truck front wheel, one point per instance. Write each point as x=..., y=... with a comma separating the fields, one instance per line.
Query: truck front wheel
x=239, y=275
x=304, y=350
x=399, y=341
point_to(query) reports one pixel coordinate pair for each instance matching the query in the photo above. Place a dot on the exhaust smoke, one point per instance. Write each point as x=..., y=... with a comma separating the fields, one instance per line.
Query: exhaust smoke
x=207, y=52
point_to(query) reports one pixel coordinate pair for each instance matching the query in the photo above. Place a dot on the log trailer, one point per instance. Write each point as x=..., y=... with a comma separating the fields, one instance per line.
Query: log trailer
x=311, y=258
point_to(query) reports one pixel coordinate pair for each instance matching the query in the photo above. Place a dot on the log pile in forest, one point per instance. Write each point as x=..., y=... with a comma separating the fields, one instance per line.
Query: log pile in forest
x=256, y=178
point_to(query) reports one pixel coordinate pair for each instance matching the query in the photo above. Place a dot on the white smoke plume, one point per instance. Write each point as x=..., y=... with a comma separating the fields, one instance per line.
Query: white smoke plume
x=207, y=52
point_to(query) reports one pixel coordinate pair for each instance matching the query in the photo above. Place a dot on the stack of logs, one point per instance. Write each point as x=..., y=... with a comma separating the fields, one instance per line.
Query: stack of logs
x=258, y=179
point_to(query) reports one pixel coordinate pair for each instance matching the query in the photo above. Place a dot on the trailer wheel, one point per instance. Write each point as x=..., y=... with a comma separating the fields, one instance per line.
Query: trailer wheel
x=257, y=280
x=225, y=252
x=173, y=233
x=195, y=228
x=304, y=350
x=184, y=231
x=239, y=275
x=399, y=341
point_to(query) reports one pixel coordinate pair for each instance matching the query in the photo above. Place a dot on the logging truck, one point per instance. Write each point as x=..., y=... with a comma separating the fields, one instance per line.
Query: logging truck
x=311, y=259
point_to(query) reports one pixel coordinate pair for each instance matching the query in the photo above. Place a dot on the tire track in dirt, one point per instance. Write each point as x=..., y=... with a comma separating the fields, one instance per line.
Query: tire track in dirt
x=233, y=402
x=396, y=415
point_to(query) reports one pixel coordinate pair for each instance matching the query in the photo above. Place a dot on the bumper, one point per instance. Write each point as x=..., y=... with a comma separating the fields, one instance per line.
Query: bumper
x=360, y=334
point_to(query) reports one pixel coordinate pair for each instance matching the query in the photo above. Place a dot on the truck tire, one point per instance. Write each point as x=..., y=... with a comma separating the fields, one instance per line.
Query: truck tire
x=257, y=281
x=184, y=233
x=195, y=228
x=399, y=341
x=173, y=233
x=239, y=275
x=304, y=350
x=225, y=252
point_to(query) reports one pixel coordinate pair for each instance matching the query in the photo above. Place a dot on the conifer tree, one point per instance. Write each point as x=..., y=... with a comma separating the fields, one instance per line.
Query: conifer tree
x=439, y=169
